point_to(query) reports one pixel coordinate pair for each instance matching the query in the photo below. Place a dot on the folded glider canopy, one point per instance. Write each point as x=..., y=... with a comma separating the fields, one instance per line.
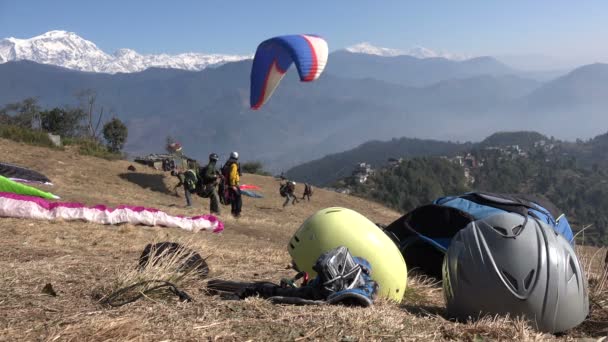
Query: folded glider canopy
x=274, y=56
x=30, y=207
x=22, y=174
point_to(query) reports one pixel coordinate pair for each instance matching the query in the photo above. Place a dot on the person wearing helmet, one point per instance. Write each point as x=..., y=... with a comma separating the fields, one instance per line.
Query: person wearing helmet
x=518, y=265
x=180, y=171
x=333, y=227
x=290, y=189
x=307, y=191
x=231, y=171
x=210, y=180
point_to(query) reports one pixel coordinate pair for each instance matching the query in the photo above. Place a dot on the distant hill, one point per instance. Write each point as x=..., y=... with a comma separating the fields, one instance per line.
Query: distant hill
x=327, y=170
x=572, y=106
x=411, y=71
x=523, y=139
x=550, y=169
x=331, y=168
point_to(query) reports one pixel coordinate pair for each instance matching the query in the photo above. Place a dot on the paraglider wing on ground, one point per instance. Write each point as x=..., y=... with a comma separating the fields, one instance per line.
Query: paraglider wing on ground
x=22, y=206
x=10, y=186
x=22, y=174
x=273, y=58
x=252, y=194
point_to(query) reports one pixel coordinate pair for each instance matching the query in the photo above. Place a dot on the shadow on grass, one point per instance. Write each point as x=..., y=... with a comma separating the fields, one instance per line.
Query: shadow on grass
x=425, y=310
x=147, y=181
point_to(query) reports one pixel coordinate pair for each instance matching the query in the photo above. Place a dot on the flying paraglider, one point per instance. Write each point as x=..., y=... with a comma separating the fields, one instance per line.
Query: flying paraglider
x=274, y=56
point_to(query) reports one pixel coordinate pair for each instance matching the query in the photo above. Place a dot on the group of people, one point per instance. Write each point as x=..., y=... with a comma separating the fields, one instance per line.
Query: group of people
x=219, y=186
x=288, y=189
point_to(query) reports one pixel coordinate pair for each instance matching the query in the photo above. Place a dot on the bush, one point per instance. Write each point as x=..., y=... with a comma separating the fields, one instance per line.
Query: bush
x=25, y=135
x=254, y=167
x=94, y=148
x=65, y=122
x=115, y=132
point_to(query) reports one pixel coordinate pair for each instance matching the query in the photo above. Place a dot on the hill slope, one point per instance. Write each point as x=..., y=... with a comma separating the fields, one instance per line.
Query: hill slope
x=330, y=168
x=83, y=261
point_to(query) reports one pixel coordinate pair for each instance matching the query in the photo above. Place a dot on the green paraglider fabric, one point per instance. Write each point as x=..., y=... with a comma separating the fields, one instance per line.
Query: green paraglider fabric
x=7, y=185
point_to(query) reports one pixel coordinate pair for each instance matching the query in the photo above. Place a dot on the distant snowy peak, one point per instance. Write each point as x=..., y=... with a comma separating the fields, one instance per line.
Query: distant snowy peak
x=68, y=50
x=369, y=49
x=61, y=48
x=417, y=51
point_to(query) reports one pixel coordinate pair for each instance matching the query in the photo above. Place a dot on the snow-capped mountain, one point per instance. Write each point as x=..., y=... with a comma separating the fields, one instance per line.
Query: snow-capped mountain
x=417, y=51
x=68, y=50
x=369, y=49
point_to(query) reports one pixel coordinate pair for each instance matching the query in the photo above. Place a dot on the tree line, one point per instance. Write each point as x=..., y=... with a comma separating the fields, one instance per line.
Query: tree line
x=581, y=193
x=85, y=121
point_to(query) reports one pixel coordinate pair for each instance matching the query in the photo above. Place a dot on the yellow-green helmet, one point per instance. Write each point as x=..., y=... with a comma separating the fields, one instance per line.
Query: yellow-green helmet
x=333, y=227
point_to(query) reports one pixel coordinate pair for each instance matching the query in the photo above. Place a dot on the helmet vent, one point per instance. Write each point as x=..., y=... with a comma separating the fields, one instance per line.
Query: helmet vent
x=296, y=238
x=500, y=230
x=462, y=276
x=332, y=211
x=518, y=229
x=528, y=280
x=291, y=245
x=571, y=268
x=511, y=279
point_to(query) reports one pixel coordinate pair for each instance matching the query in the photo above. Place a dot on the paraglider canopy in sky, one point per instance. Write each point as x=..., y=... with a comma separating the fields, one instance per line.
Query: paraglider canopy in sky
x=274, y=56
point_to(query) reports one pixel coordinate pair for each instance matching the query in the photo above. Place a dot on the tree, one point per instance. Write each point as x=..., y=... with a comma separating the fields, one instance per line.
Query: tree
x=65, y=122
x=24, y=114
x=87, y=99
x=115, y=132
x=254, y=167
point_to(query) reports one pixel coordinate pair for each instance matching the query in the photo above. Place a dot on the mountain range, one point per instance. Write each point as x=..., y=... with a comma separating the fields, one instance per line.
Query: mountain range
x=68, y=50
x=360, y=97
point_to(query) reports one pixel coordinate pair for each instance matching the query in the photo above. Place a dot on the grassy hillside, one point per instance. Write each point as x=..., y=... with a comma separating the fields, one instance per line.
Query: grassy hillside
x=83, y=261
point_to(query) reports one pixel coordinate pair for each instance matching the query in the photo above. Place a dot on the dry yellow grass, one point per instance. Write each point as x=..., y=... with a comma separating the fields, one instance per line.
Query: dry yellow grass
x=84, y=261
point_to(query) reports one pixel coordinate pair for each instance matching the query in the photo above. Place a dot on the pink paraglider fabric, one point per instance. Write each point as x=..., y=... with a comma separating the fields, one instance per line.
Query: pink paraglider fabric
x=22, y=206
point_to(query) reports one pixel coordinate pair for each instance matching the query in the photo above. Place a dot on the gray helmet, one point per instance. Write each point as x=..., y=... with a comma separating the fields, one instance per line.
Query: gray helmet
x=510, y=264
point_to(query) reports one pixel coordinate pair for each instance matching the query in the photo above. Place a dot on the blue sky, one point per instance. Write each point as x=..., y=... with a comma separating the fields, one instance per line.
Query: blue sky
x=562, y=29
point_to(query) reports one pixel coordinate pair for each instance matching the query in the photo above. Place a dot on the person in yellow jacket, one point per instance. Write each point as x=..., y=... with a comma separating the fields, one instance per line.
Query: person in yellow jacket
x=232, y=176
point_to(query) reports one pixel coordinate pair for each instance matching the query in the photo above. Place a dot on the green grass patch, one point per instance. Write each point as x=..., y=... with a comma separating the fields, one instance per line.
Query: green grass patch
x=25, y=135
x=90, y=147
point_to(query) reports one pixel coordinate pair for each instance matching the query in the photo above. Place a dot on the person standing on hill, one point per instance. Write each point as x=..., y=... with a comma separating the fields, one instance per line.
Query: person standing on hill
x=231, y=171
x=307, y=191
x=210, y=182
x=290, y=194
x=180, y=171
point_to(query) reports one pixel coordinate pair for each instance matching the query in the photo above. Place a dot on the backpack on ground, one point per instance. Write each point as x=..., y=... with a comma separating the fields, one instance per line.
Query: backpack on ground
x=424, y=234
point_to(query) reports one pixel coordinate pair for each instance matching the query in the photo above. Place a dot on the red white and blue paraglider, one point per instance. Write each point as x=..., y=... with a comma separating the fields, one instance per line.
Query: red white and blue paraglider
x=274, y=56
